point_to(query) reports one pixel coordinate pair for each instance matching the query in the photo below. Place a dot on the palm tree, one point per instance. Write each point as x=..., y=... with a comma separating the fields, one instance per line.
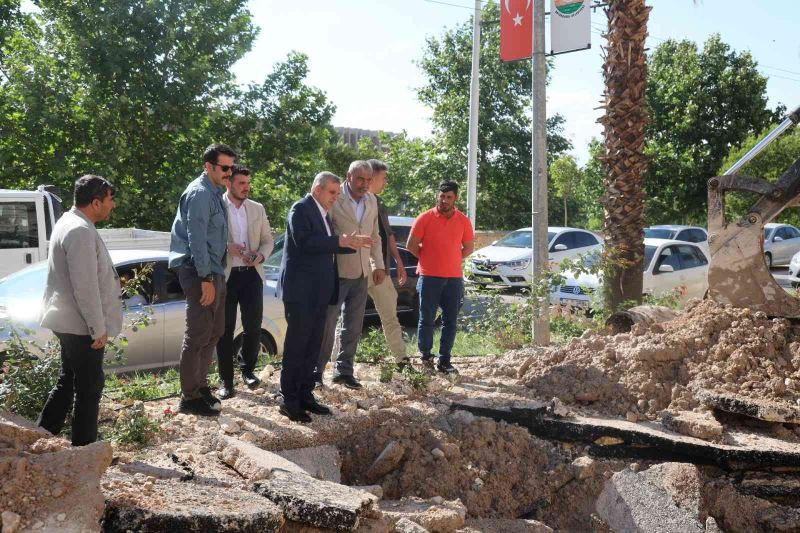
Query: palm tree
x=624, y=162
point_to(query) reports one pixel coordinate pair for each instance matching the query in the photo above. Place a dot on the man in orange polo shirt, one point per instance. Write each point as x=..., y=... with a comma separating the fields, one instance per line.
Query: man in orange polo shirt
x=441, y=238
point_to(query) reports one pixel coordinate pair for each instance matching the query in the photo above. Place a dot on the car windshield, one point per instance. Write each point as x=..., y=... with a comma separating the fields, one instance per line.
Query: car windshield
x=26, y=284
x=520, y=239
x=649, y=251
x=766, y=233
x=659, y=233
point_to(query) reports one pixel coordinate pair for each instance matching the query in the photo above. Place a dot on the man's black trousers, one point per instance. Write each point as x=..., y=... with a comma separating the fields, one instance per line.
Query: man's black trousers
x=245, y=291
x=81, y=378
x=304, y=327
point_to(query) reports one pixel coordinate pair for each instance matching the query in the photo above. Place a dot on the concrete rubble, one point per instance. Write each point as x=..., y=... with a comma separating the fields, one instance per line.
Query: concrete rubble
x=632, y=503
x=689, y=424
x=46, y=484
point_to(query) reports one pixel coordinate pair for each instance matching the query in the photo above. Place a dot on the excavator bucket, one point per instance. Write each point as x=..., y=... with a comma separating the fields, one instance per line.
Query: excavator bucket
x=738, y=274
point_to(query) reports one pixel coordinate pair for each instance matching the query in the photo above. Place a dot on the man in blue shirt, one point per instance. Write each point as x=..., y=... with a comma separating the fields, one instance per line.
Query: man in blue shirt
x=197, y=253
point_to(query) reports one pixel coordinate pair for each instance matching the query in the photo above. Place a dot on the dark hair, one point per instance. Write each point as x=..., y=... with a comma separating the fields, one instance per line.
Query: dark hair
x=91, y=187
x=377, y=165
x=447, y=186
x=211, y=155
x=239, y=169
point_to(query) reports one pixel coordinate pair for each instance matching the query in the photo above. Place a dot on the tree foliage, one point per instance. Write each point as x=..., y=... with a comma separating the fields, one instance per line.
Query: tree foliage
x=504, y=138
x=770, y=165
x=702, y=103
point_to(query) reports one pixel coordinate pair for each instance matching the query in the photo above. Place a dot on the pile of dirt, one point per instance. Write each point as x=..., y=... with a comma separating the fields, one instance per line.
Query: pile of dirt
x=710, y=347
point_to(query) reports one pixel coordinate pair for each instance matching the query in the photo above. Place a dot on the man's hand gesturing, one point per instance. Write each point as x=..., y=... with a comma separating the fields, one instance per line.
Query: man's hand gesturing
x=355, y=241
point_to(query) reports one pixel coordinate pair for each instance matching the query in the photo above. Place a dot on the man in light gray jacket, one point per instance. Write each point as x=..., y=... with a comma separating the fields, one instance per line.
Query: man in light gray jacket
x=82, y=306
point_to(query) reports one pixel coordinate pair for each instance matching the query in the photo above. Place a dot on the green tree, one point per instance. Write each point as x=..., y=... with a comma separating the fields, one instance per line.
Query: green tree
x=123, y=89
x=504, y=131
x=702, y=103
x=770, y=165
x=566, y=177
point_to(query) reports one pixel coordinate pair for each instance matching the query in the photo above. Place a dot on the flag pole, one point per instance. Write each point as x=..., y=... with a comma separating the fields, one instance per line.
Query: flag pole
x=474, y=92
x=541, y=323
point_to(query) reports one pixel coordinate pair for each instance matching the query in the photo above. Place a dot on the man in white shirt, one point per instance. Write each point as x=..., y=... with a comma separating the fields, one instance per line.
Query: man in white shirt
x=249, y=243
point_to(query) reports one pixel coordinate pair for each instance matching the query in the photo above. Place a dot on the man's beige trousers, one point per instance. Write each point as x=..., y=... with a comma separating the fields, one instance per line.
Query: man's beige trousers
x=384, y=296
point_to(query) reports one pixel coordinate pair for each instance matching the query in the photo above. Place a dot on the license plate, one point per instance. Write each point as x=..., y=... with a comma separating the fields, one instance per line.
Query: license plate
x=573, y=303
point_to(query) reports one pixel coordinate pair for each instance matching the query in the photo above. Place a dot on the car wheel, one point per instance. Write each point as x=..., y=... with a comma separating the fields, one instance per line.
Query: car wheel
x=410, y=319
x=266, y=347
x=768, y=260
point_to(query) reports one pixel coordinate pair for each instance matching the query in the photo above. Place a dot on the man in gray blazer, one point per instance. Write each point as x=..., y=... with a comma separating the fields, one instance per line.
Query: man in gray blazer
x=249, y=243
x=82, y=307
x=355, y=212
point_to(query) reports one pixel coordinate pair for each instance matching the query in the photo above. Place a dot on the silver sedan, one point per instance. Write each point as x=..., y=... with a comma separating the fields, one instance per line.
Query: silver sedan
x=158, y=298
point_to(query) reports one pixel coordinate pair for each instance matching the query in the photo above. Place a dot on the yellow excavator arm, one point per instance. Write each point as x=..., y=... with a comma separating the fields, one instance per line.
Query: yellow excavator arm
x=738, y=274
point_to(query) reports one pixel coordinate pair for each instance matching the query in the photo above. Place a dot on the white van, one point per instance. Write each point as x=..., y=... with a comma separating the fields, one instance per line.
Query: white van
x=26, y=222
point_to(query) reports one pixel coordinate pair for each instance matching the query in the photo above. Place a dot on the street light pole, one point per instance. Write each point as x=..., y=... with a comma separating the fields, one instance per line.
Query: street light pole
x=541, y=323
x=474, y=91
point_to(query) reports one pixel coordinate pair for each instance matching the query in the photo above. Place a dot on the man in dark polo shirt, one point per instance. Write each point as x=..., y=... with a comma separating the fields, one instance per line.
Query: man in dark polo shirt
x=441, y=238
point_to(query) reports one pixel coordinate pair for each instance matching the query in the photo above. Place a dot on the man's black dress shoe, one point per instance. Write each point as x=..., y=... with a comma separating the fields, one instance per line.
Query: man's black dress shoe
x=250, y=379
x=348, y=381
x=313, y=406
x=294, y=414
x=226, y=391
x=198, y=406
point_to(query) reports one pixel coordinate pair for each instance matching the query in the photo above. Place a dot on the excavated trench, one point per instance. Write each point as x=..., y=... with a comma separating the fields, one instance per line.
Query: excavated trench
x=497, y=470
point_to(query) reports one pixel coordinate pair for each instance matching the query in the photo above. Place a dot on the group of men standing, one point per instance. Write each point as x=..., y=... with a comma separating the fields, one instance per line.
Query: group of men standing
x=337, y=251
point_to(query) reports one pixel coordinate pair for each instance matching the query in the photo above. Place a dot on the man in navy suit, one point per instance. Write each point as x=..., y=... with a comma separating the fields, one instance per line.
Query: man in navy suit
x=309, y=283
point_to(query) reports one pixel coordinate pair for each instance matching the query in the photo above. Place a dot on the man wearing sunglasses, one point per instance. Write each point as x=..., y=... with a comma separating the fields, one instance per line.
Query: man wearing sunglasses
x=198, y=255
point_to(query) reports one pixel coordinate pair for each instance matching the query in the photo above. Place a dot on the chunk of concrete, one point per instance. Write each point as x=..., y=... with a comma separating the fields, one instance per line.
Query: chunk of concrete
x=404, y=525
x=631, y=503
x=250, y=461
x=682, y=481
x=700, y=425
x=504, y=525
x=387, y=461
x=315, y=502
x=170, y=505
x=61, y=484
x=441, y=517
x=321, y=462
x=17, y=432
x=766, y=410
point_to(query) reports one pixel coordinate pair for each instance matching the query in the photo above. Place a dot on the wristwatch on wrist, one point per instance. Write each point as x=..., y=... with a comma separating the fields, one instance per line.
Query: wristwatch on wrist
x=210, y=277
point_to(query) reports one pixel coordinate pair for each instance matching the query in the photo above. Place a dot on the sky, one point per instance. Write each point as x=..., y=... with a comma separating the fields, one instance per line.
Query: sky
x=363, y=54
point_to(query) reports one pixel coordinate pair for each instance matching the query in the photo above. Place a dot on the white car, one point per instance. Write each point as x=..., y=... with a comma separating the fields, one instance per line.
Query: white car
x=508, y=260
x=668, y=264
x=781, y=242
x=154, y=346
x=677, y=232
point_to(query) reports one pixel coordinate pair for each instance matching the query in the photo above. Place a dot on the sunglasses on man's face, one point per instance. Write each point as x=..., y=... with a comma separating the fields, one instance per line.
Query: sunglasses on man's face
x=225, y=168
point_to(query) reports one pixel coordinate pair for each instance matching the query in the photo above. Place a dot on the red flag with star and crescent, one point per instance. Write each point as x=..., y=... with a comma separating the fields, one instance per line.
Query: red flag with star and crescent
x=516, y=29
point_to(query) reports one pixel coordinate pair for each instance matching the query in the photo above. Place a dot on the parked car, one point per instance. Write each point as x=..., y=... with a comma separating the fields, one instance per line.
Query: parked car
x=507, y=261
x=781, y=242
x=407, y=298
x=668, y=264
x=677, y=232
x=158, y=344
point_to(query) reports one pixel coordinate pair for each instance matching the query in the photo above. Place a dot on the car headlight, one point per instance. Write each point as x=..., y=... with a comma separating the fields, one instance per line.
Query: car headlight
x=517, y=264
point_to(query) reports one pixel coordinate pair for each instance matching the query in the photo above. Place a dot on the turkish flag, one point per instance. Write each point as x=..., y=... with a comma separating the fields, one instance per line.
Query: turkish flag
x=516, y=29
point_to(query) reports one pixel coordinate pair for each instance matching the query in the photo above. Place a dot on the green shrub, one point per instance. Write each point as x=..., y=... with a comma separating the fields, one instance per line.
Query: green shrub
x=372, y=347
x=27, y=379
x=134, y=429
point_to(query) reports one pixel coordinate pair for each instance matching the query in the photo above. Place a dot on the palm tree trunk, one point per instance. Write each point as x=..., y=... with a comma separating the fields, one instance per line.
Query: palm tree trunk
x=624, y=121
